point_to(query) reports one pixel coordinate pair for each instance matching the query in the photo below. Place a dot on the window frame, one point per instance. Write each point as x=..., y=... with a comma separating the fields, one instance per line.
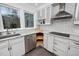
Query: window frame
x=25, y=19
x=18, y=12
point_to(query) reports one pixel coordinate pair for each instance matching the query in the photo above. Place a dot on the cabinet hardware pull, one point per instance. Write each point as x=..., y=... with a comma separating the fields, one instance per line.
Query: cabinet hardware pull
x=55, y=43
x=8, y=49
x=69, y=48
x=54, y=50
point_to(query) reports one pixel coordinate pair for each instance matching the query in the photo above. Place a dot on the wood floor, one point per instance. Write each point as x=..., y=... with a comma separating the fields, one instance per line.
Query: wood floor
x=39, y=51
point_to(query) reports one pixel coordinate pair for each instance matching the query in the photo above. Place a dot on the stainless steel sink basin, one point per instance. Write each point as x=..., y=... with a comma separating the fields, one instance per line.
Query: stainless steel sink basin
x=7, y=36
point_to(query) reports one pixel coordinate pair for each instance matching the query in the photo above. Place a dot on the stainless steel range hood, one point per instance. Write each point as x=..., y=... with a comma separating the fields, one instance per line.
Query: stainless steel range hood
x=62, y=13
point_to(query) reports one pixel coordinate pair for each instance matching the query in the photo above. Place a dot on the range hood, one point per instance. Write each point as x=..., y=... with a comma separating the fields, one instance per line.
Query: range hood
x=62, y=13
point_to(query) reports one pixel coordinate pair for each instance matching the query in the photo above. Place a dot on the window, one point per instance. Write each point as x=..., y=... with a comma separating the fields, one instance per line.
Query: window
x=29, y=20
x=10, y=17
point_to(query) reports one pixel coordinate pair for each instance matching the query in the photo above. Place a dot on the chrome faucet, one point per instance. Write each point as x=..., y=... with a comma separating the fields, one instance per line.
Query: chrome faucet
x=7, y=30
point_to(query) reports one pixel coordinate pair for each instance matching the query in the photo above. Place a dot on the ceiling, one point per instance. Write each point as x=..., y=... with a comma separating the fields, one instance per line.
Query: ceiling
x=34, y=5
x=29, y=6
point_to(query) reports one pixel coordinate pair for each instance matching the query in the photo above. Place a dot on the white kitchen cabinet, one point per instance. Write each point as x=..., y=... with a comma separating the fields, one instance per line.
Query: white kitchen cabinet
x=76, y=19
x=44, y=15
x=17, y=46
x=12, y=47
x=48, y=42
x=48, y=14
x=39, y=14
x=74, y=51
x=4, y=48
x=61, y=45
x=54, y=9
x=74, y=48
x=70, y=8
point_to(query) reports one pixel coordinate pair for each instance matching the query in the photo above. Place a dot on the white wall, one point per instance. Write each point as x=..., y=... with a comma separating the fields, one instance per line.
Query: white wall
x=1, y=23
x=25, y=7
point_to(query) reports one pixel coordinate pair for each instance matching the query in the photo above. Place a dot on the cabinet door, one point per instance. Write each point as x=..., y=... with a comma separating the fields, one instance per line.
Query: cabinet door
x=39, y=14
x=43, y=13
x=45, y=40
x=55, y=10
x=4, y=48
x=74, y=48
x=76, y=20
x=50, y=42
x=70, y=8
x=48, y=14
x=17, y=46
x=61, y=45
x=74, y=51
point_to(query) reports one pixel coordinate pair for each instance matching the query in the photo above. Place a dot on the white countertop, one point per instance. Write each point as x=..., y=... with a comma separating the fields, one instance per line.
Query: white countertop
x=17, y=36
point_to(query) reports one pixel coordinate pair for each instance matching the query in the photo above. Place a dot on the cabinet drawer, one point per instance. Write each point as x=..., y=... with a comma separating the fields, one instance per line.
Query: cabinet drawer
x=74, y=51
x=74, y=43
x=56, y=42
x=61, y=47
x=3, y=44
x=17, y=40
x=61, y=39
x=74, y=37
x=58, y=52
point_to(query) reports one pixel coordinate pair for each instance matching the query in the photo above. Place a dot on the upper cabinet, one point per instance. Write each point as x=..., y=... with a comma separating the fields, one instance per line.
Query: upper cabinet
x=10, y=17
x=76, y=19
x=70, y=8
x=54, y=9
x=44, y=15
x=29, y=20
x=43, y=12
x=39, y=14
x=48, y=14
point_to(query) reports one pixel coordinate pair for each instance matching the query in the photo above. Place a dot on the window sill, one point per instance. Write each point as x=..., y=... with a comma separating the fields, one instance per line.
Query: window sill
x=17, y=29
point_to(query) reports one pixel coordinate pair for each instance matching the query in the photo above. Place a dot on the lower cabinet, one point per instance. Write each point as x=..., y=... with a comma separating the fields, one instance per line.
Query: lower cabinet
x=12, y=47
x=61, y=45
x=4, y=48
x=30, y=42
x=74, y=51
x=48, y=42
x=74, y=48
x=45, y=43
x=17, y=46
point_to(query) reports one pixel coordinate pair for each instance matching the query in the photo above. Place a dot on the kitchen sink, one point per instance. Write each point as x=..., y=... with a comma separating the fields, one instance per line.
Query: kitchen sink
x=9, y=35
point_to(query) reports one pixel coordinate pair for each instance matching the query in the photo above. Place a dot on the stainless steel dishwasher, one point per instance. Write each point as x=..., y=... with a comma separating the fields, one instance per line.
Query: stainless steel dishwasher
x=30, y=42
